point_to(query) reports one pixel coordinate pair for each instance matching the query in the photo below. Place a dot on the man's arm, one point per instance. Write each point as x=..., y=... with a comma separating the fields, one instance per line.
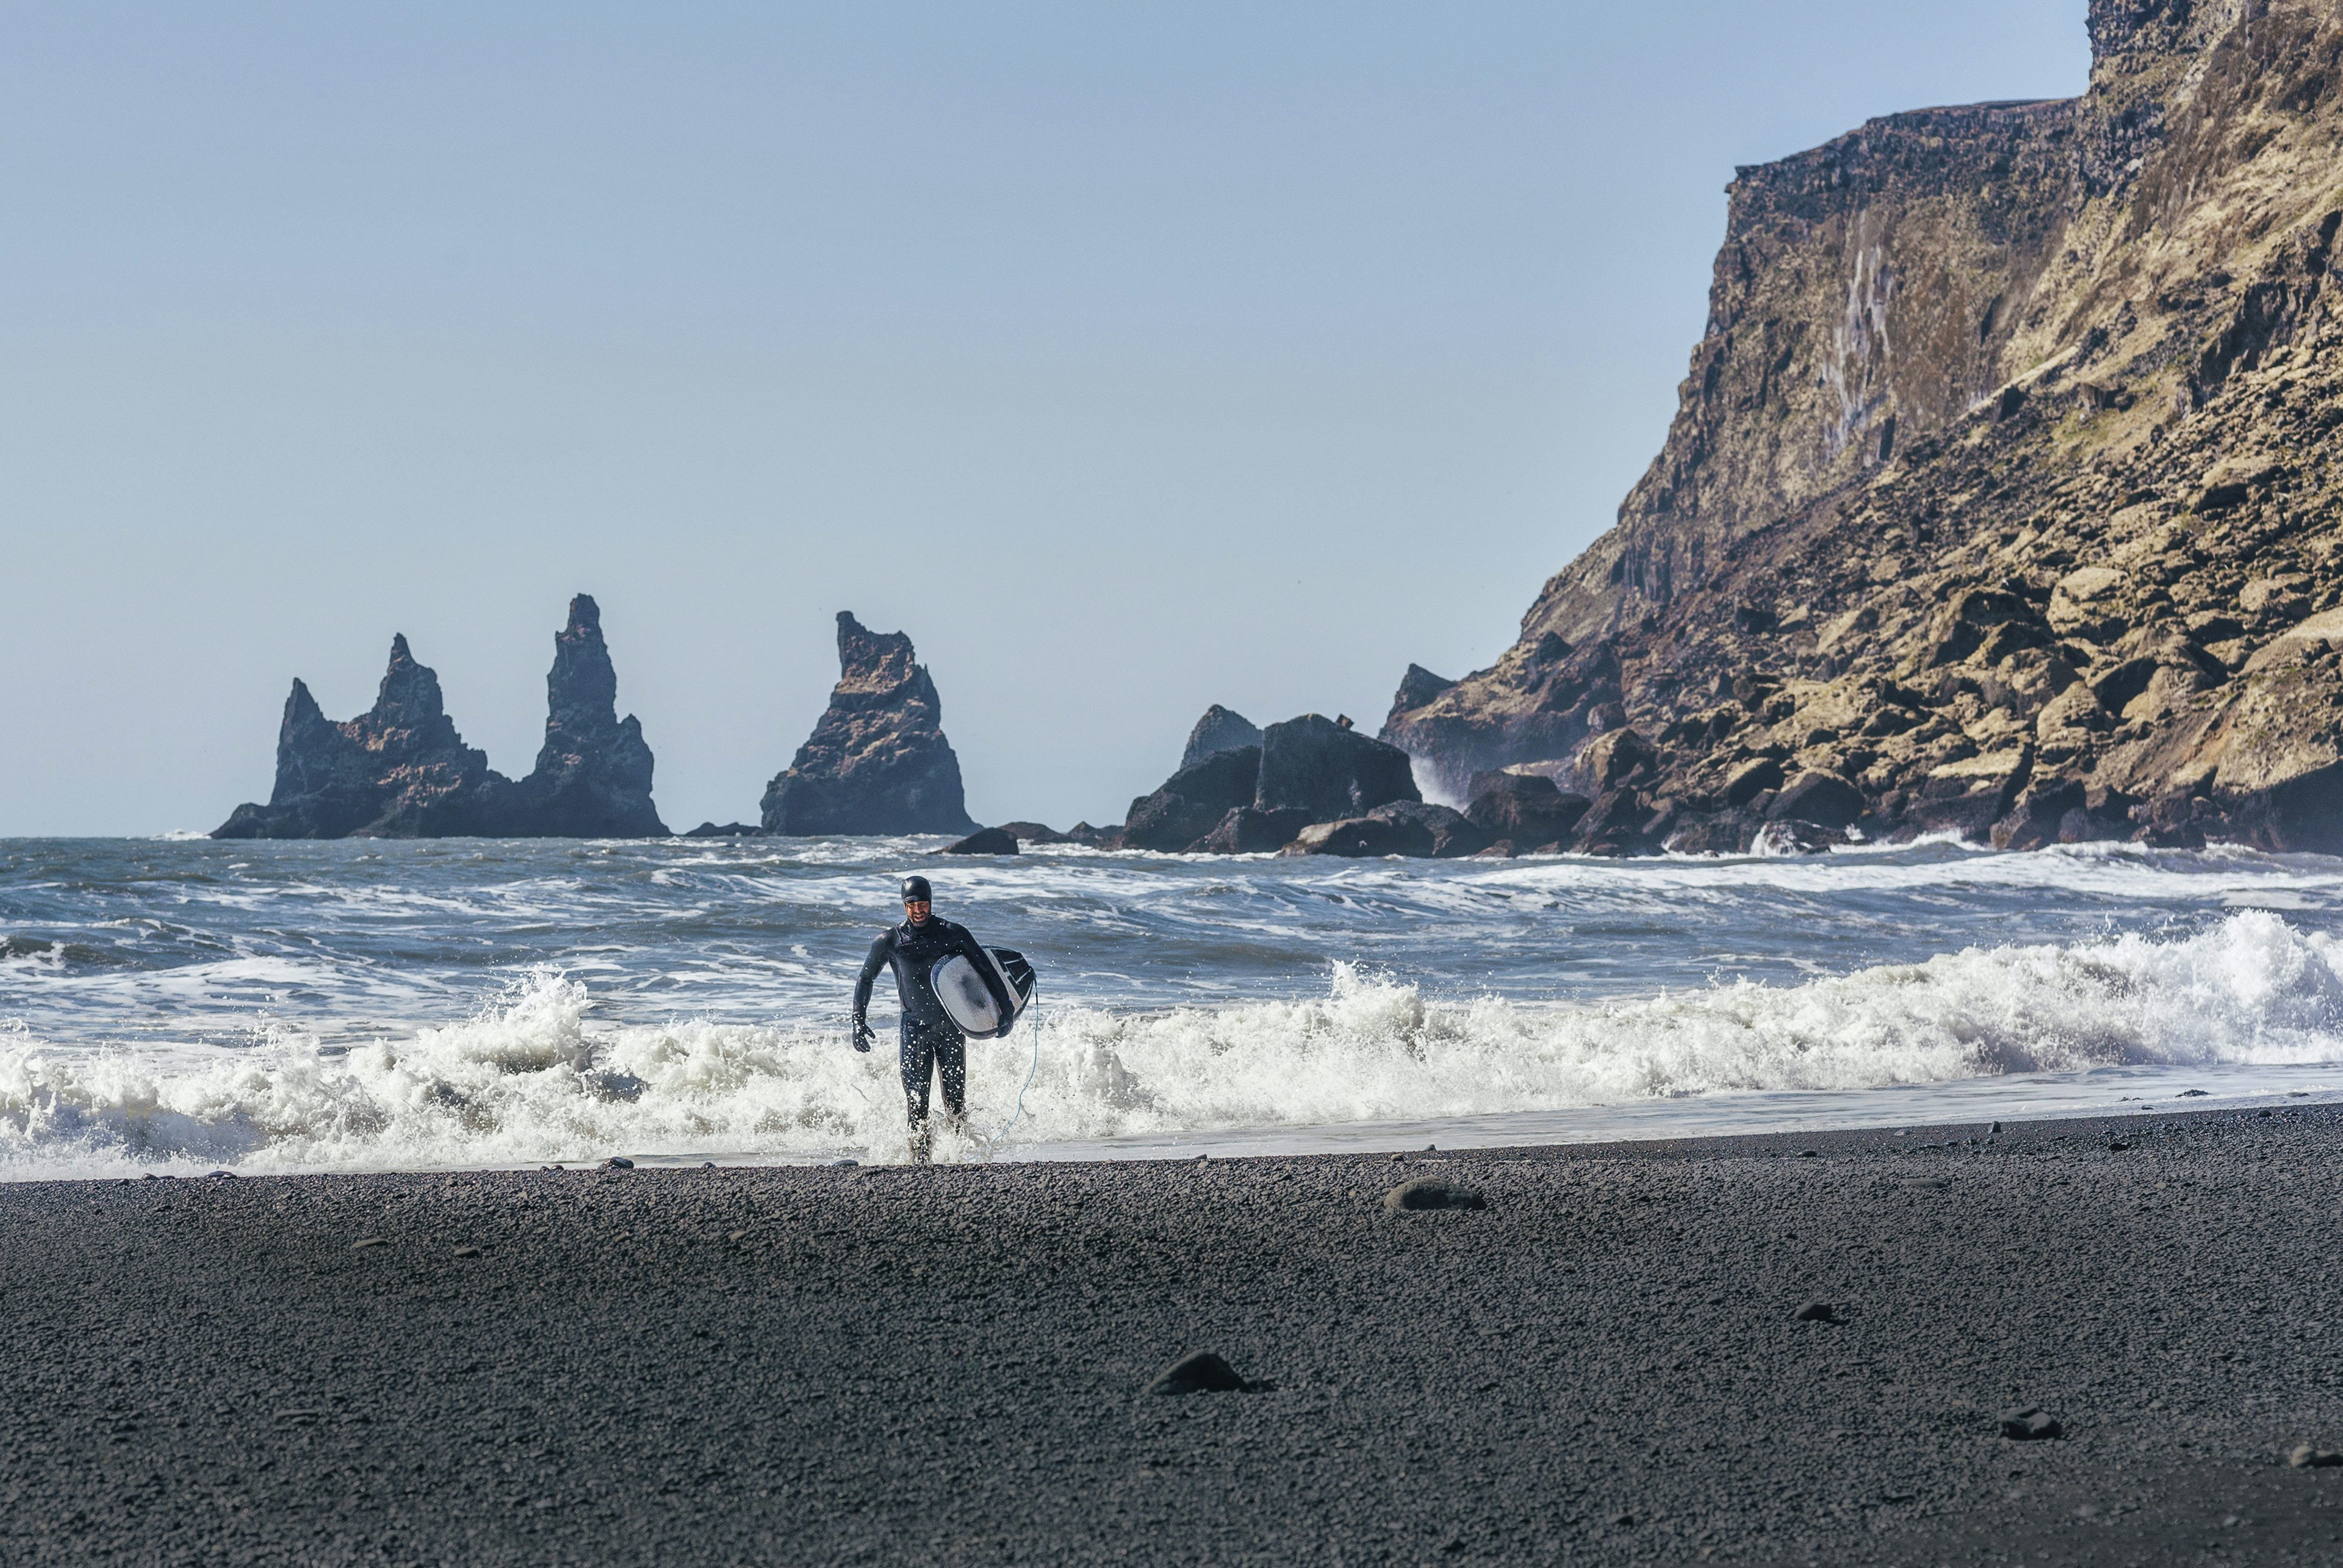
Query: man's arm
x=968, y=947
x=870, y=968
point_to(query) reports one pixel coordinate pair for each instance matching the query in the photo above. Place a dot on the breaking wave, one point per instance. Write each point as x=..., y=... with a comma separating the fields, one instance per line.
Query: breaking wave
x=527, y=1080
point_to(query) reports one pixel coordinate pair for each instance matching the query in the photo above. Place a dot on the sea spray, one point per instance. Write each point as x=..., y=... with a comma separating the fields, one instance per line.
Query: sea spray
x=525, y=1081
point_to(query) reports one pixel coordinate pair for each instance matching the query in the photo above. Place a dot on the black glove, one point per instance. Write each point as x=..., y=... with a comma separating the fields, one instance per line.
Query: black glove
x=862, y=1035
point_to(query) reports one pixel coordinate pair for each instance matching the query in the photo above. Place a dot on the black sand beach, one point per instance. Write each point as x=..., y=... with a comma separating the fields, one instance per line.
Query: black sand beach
x=881, y=1365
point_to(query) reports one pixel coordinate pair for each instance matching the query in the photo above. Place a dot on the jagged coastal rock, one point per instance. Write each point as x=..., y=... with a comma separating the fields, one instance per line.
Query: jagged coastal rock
x=985, y=842
x=593, y=774
x=1220, y=729
x=876, y=762
x=1315, y=765
x=400, y=770
x=1996, y=500
x=1192, y=802
x=1258, y=797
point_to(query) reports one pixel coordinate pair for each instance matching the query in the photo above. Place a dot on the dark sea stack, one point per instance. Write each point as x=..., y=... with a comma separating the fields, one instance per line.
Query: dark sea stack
x=1192, y=802
x=985, y=842
x=1991, y=493
x=878, y=761
x=593, y=774
x=1312, y=764
x=1220, y=729
x=399, y=771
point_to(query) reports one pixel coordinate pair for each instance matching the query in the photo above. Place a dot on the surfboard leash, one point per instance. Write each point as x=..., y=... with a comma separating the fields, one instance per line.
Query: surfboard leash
x=1033, y=1005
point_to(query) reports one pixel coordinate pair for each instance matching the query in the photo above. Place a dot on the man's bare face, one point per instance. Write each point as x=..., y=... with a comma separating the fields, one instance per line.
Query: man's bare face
x=916, y=910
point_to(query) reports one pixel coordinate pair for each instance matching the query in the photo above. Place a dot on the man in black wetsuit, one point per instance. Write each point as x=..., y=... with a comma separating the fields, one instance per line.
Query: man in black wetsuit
x=931, y=1043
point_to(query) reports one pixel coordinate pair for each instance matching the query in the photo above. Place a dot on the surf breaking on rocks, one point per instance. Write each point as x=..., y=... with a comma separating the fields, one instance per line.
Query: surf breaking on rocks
x=528, y=1078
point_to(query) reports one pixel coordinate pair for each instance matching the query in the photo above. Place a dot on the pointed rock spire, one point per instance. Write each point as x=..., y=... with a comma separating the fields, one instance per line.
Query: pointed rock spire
x=593, y=774
x=878, y=761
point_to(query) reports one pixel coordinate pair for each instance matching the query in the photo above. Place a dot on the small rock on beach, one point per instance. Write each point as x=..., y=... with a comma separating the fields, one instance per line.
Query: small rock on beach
x=1432, y=1192
x=2029, y=1425
x=1200, y=1372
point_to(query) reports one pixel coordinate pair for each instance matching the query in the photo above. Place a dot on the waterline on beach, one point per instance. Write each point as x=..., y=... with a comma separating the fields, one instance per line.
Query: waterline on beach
x=2248, y=1008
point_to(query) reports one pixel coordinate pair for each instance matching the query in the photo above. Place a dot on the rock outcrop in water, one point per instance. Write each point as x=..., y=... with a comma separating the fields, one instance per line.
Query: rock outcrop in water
x=1313, y=764
x=400, y=770
x=1255, y=798
x=593, y=774
x=1194, y=801
x=1997, y=500
x=878, y=761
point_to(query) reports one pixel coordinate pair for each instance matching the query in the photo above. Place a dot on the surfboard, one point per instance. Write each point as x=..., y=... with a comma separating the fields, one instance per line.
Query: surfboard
x=971, y=1006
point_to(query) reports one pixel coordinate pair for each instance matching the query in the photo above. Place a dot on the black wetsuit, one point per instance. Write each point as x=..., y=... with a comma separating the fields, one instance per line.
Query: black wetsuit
x=932, y=1045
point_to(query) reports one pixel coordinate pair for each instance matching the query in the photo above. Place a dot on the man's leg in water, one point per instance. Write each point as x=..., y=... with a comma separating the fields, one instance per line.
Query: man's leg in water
x=951, y=1067
x=919, y=1058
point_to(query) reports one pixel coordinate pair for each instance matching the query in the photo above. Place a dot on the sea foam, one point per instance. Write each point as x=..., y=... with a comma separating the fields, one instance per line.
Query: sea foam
x=527, y=1080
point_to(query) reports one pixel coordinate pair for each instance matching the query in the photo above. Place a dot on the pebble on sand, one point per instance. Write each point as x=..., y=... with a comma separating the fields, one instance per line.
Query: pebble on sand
x=2029, y=1425
x=365, y=1242
x=1199, y=1371
x=467, y=1251
x=2305, y=1457
x=617, y=1162
x=1817, y=1312
x=1432, y=1192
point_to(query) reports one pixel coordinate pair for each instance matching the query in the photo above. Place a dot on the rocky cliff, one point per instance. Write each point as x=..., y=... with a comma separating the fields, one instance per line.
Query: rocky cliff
x=400, y=770
x=878, y=761
x=1998, y=498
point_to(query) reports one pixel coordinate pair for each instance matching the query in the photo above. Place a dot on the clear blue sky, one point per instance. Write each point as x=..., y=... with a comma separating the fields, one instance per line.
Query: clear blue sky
x=1131, y=357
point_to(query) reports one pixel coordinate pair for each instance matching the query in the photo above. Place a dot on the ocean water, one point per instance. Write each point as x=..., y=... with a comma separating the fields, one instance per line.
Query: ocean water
x=183, y=1005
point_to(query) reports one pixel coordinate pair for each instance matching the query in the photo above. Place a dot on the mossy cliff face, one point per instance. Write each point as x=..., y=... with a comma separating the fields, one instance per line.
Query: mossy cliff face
x=2000, y=486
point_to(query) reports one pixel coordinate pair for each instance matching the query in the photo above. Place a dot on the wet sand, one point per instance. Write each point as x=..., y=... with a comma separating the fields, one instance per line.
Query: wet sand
x=884, y=1366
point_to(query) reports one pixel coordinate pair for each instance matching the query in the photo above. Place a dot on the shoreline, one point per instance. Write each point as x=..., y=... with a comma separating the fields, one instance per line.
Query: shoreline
x=823, y=1364
x=1983, y=1099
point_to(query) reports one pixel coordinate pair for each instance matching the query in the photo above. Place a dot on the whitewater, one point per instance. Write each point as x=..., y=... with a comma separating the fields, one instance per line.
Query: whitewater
x=180, y=1006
